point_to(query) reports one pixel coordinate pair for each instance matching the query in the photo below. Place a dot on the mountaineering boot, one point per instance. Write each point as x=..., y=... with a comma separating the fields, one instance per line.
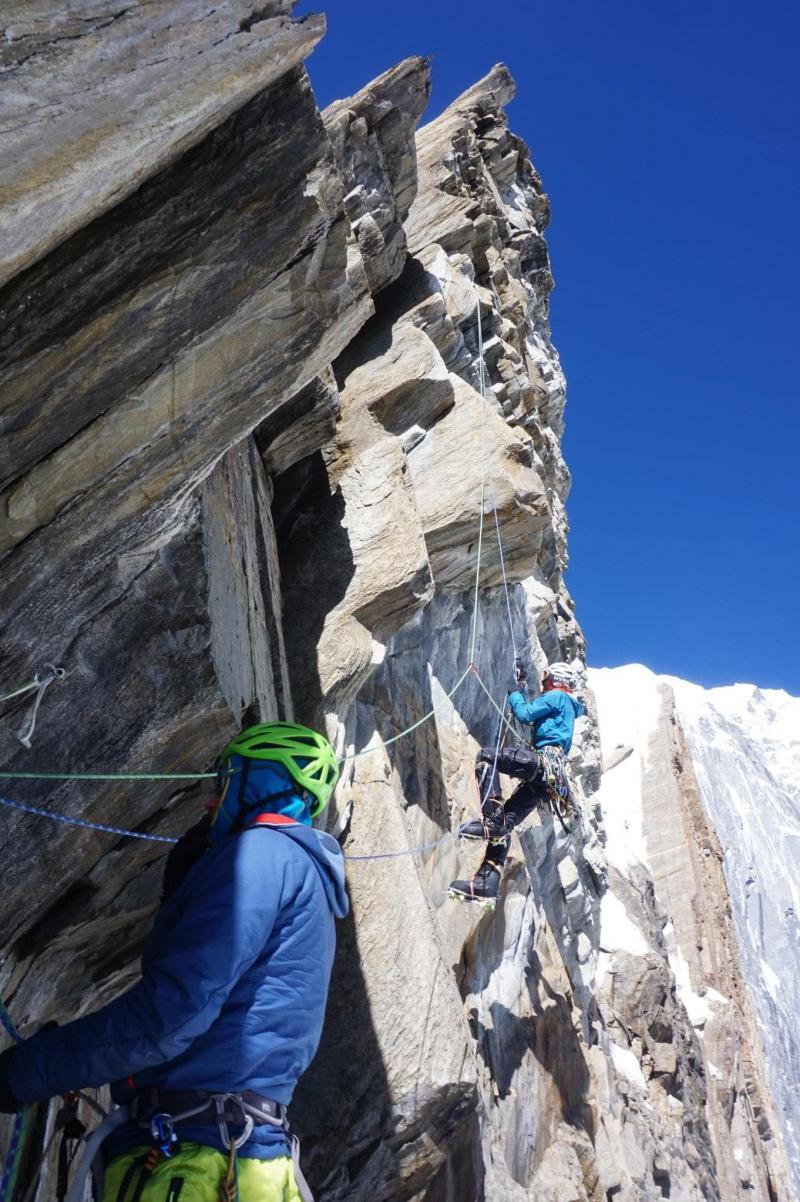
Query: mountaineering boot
x=491, y=825
x=483, y=888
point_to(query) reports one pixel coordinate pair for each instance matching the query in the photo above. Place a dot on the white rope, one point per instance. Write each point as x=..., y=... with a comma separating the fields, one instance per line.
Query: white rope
x=50, y=674
x=492, y=493
x=503, y=569
x=497, y=746
x=483, y=489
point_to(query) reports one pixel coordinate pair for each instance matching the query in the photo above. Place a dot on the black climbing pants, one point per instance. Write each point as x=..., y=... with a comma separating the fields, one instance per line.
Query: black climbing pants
x=525, y=765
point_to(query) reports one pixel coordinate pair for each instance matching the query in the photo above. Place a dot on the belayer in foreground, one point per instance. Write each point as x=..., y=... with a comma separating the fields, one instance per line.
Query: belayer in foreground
x=206, y=1049
x=541, y=769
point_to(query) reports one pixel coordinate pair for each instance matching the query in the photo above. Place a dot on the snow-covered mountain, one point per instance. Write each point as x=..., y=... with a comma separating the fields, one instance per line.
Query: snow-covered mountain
x=738, y=749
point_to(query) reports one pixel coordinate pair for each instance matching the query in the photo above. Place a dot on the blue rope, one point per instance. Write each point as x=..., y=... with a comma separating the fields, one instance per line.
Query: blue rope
x=5, y=1021
x=408, y=851
x=92, y=826
x=119, y=830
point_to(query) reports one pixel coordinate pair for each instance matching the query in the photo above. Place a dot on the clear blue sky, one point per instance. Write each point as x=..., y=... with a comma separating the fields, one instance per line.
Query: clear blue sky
x=667, y=137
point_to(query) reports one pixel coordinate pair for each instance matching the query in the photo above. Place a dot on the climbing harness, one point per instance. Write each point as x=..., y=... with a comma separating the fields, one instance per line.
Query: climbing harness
x=91, y=1159
x=160, y=1112
x=556, y=779
x=56, y=1131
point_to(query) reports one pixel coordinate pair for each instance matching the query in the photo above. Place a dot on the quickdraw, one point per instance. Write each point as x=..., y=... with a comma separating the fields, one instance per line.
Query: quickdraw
x=559, y=795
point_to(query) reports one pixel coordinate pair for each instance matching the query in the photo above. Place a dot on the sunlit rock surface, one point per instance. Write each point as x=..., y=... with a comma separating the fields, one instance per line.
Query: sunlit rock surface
x=272, y=380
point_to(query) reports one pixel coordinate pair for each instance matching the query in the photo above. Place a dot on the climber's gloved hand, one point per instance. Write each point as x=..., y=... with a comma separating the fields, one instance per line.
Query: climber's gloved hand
x=8, y=1103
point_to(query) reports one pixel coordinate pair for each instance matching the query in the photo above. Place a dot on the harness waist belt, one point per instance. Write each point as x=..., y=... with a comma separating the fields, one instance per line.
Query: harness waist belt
x=201, y=1106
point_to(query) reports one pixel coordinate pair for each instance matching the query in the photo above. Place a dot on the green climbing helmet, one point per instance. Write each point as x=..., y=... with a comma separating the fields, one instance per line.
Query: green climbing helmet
x=307, y=756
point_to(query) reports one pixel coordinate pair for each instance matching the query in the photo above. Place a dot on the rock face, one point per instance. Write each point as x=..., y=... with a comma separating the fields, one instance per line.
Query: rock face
x=685, y=816
x=276, y=384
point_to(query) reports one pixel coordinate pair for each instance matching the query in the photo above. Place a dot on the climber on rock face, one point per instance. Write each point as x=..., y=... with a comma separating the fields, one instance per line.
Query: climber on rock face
x=206, y=1049
x=552, y=716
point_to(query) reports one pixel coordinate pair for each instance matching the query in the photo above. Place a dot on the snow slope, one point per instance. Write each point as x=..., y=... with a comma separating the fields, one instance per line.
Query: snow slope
x=745, y=749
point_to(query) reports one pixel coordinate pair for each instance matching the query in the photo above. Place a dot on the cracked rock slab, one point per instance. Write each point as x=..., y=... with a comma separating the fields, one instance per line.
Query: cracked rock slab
x=98, y=99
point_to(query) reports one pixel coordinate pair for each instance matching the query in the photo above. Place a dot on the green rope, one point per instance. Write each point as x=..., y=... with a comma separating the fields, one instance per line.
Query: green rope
x=430, y=714
x=106, y=775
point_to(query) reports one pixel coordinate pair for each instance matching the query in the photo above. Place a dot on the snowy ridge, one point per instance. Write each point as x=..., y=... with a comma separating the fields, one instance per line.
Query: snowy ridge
x=744, y=745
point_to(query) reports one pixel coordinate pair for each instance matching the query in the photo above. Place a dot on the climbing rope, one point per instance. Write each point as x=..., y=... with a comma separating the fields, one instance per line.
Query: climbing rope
x=9, y=1178
x=104, y=828
x=67, y=820
x=510, y=727
x=23, y=688
x=425, y=717
x=474, y=638
x=489, y=777
x=406, y=851
x=118, y=830
x=5, y=1021
x=503, y=570
x=108, y=775
x=18, y=1133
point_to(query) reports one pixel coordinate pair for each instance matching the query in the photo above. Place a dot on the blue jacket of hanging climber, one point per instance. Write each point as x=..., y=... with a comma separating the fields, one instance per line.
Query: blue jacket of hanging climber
x=233, y=987
x=552, y=716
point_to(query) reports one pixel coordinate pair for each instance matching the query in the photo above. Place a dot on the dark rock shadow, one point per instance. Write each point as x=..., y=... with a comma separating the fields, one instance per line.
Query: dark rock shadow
x=355, y=1139
x=400, y=701
x=375, y=336
x=316, y=565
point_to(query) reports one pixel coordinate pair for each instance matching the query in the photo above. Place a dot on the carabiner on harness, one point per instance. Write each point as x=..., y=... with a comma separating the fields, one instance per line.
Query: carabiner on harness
x=162, y=1131
x=220, y=1103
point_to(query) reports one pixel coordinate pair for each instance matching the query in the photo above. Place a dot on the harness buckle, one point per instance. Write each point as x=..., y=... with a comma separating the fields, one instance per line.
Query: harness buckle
x=162, y=1131
x=220, y=1103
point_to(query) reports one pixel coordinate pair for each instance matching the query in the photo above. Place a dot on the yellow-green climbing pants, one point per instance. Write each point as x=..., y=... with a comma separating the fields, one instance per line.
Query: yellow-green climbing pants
x=196, y=1174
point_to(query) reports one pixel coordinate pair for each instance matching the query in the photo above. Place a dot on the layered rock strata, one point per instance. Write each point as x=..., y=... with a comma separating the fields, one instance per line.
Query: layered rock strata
x=273, y=380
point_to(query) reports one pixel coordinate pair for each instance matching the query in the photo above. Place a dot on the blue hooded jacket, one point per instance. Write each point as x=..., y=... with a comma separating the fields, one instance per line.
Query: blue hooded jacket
x=233, y=988
x=552, y=716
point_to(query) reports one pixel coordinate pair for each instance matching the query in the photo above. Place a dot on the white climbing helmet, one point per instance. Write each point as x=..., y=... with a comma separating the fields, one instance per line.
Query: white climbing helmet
x=561, y=674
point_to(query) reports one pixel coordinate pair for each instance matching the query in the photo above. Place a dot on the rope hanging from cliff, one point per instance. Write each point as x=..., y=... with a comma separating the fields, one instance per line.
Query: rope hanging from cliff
x=503, y=570
x=476, y=602
x=505, y=725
